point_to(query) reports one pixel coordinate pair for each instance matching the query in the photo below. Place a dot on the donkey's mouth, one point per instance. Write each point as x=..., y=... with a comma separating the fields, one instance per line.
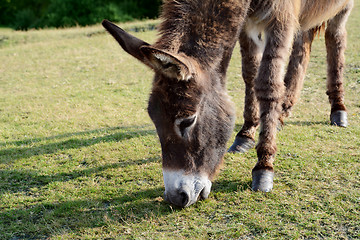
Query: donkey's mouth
x=183, y=189
x=183, y=199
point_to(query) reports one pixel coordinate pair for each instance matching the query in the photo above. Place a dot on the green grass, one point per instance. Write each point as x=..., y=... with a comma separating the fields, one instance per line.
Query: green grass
x=80, y=159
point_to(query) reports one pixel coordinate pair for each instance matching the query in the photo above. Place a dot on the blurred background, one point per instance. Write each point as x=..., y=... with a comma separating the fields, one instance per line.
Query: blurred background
x=27, y=14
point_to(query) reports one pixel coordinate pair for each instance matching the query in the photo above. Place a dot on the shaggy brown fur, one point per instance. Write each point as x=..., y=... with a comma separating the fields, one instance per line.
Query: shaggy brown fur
x=205, y=32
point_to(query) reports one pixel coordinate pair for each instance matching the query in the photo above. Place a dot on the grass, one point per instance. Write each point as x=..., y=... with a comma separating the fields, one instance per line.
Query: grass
x=80, y=159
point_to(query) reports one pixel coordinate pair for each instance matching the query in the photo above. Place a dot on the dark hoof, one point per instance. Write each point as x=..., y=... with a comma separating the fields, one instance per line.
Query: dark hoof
x=262, y=180
x=241, y=145
x=339, y=118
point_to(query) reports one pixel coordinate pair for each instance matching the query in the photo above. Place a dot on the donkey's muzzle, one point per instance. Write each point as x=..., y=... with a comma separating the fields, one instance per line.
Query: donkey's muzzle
x=183, y=190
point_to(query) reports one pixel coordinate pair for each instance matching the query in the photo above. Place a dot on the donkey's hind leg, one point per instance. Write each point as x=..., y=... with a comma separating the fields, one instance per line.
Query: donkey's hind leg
x=296, y=70
x=335, y=39
x=251, y=54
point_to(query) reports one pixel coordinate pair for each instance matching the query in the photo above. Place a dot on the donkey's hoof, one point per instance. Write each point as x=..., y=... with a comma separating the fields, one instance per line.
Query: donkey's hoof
x=262, y=180
x=339, y=118
x=241, y=145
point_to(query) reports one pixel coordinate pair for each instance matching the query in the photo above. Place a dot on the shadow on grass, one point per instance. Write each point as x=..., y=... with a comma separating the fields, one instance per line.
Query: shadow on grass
x=23, y=180
x=25, y=151
x=48, y=218
x=43, y=220
x=65, y=135
x=238, y=126
x=227, y=186
x=307, y=123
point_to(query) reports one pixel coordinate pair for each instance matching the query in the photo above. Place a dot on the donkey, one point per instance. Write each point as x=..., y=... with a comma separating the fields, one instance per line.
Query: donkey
x=189, y=104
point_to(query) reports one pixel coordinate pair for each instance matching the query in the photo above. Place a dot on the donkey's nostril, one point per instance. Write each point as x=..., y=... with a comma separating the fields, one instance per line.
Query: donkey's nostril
x=184, y=199
x=180, y=199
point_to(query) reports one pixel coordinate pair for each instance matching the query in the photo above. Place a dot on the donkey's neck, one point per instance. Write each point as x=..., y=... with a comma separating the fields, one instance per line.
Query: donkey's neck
x=206, y=30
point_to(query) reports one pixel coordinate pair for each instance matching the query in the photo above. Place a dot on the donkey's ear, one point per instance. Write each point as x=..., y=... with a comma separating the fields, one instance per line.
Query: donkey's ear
x=128, y=42
x=172, y=66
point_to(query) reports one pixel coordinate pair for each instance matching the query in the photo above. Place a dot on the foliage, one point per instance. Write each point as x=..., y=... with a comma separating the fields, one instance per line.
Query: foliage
x=22, y=14
x=66, y=13
x=25, y=14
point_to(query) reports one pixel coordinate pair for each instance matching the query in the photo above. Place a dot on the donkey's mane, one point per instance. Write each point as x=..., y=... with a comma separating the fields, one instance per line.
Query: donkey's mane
x=200, y=29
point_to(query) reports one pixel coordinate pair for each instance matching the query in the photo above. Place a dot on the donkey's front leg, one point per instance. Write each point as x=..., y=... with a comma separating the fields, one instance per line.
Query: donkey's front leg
x=335, y=39
x=269, y=88
x=251, y=53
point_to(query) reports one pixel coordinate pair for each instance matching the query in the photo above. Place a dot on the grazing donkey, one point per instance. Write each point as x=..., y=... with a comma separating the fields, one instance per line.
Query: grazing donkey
x=189, y=104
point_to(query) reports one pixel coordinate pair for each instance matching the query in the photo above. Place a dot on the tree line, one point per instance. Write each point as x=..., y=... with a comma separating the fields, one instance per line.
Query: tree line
x=26, y=14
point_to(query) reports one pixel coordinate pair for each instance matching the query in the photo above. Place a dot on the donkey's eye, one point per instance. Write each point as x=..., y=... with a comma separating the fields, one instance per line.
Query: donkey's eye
x=183, y=125
x=168, y=65
x=187, y=123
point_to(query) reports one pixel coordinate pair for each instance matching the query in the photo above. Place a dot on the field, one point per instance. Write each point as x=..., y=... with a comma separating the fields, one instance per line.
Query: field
x=80, y=158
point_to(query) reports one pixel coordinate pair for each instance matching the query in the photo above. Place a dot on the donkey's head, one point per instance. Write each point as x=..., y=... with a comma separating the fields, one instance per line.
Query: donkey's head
x=192, y=114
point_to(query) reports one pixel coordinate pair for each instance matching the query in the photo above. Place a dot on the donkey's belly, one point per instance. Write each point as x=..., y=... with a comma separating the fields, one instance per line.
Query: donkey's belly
x=314, y=13
x=308, y=13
